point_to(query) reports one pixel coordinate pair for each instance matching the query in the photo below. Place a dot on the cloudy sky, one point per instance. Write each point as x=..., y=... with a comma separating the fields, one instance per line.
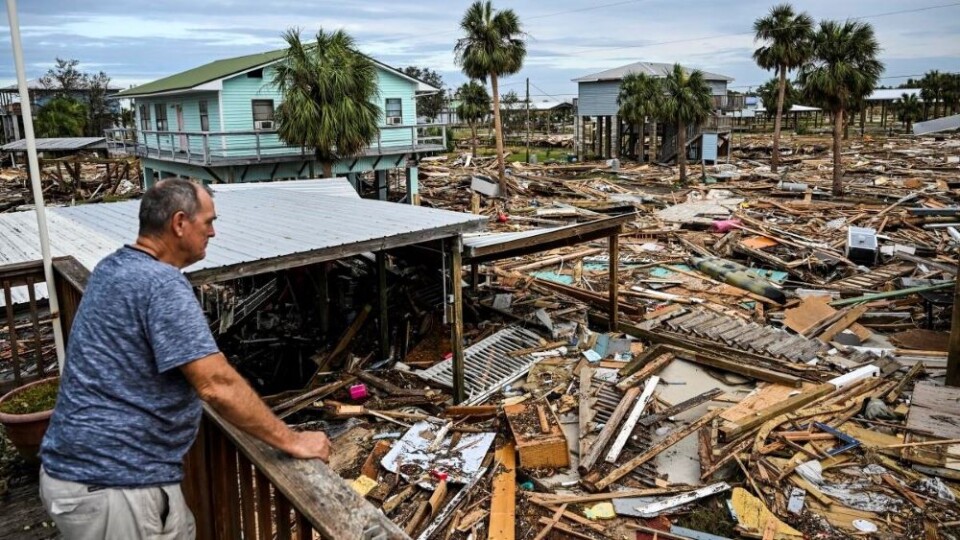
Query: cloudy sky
x=138, y=41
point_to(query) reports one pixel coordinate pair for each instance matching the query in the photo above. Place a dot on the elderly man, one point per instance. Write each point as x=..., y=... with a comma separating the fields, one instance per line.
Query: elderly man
x=140, y=359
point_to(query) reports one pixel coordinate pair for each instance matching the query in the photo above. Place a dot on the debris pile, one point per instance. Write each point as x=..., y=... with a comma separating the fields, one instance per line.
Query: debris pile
x=72, y=180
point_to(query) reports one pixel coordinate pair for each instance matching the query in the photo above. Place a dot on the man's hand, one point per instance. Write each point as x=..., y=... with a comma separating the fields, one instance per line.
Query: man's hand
x=310, y=444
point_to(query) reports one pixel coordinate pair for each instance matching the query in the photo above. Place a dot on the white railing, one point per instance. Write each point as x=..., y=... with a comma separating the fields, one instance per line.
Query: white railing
x=213, y=147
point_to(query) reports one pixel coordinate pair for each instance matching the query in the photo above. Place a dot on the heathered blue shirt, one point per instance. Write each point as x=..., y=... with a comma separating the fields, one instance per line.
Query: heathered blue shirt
x=125, y=415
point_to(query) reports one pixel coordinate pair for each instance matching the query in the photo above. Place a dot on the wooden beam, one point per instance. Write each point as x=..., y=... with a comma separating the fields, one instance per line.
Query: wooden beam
x=953, y=359
x=843, y=322
x=614, y=266
x=655, y=450
x=382, y=303
x=456, y=323
x=586, y=411
x=503, y=500
x=631, y=422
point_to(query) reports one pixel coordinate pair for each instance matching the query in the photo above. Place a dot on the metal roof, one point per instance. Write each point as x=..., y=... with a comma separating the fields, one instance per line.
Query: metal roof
x=334, y=187
x=656, y=69
x=35, y=84
x=892, y=94
x=258, y=230
x=56, y=144
x=490, y=247
x=228, y=67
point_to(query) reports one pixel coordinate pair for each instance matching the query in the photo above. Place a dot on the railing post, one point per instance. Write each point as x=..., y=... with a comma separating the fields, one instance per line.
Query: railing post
x=158, y=144
x=413, y=133
x=443, y=133
x=173, y=150
x=257, y=137
x=187, y=135
x=206, y=148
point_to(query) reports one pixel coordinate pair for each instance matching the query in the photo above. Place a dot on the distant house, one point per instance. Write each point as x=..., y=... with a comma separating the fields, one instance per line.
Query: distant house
x=600, y=131
x=216, y=123
x=11, y=119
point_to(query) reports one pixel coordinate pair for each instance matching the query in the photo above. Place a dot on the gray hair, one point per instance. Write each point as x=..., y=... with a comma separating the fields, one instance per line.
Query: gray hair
x=165, y=199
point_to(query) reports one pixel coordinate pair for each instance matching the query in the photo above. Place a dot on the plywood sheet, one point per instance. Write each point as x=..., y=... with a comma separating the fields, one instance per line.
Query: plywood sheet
x=503, y=502
x=812, y=311
x=935, y=409
x=759, y=242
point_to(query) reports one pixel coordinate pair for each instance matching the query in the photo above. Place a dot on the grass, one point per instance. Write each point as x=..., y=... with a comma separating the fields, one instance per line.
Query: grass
x=41, y=397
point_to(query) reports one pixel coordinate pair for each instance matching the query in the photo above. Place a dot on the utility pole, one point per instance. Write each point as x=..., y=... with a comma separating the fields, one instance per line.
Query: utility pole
x=528, y=119
x=953, y=358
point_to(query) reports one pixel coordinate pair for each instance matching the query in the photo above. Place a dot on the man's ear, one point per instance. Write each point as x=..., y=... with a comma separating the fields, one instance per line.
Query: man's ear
x=178, y=222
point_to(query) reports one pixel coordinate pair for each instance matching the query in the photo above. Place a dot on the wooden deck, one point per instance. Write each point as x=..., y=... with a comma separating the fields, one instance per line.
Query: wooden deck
x=23, y=516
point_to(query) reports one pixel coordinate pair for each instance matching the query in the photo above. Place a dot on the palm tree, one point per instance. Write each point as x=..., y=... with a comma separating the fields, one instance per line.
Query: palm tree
x=329, y=91
x=473, y=108
x=640, y=98
x=931, y=90
x=908, y=110
x=686, y=101
x=843, y=71
x=492, y=47
x=786, y=46
x=62, y=117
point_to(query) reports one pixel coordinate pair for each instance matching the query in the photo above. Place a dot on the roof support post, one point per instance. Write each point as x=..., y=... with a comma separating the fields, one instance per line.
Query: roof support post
x=413, y=186
x=382, y=304
x=614, y=267
x=953, y=358
x=456, y=319
x=381, y=177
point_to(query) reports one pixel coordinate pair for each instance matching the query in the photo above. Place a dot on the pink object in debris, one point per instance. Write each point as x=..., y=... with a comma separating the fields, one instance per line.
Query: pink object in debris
x=358, y=391
x=725, y=225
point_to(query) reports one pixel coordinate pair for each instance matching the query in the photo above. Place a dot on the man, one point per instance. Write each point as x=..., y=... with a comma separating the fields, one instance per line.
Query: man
x=140, y=359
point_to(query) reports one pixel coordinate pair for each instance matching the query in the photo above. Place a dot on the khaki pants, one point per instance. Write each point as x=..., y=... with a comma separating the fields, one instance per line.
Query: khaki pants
x=113, y=513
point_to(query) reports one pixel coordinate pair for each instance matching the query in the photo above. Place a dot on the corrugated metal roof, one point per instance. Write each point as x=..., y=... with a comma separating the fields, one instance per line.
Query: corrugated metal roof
x=253, y=225
x=61, y=144
x=947, y=123
x=333, y=187
x=656, y=69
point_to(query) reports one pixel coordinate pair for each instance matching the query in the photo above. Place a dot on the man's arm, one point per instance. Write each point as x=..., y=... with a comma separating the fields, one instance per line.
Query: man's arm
x=231, y=396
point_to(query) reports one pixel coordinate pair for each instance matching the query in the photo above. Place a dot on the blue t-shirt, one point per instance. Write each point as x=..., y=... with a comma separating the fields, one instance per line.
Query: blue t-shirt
x=125, y=415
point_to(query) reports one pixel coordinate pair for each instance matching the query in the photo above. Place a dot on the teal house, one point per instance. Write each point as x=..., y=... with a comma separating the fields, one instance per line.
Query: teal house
x=216, y=123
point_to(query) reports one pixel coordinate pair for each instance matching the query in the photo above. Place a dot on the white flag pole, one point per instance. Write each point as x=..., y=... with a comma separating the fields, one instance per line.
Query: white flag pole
x=35, y=179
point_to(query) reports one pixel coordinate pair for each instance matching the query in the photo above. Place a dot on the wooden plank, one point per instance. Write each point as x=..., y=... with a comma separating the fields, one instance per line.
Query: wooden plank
x=646, y=371
x=264, y=514
x=12, y=334
x=371, y=467
x=631, y=422
x=811, y=312
x=596, y=449
x=586, y=410
x=672, y=439
x=551, y=499
x=503, y=500
x=695, y=401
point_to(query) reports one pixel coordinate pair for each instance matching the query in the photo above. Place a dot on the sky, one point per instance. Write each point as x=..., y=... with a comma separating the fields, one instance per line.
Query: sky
x=138, y=41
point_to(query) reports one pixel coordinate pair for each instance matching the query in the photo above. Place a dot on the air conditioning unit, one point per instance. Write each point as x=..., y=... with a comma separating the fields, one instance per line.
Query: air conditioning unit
x=394, y=120
x=263, y=125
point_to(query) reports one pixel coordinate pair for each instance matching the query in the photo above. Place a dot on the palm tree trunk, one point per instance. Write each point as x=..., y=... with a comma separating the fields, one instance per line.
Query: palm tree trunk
x=777, y=122
x=653, y=140
x=473, y=138
x=837, y=171
x=682, y=150
x=498, y=134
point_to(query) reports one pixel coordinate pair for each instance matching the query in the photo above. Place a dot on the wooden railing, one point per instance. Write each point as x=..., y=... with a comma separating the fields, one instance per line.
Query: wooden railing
x=28, y=352
x=255, y=146
x=236, y=486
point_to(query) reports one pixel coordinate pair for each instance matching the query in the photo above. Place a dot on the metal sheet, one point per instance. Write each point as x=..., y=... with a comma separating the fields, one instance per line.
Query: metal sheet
x=57, y=144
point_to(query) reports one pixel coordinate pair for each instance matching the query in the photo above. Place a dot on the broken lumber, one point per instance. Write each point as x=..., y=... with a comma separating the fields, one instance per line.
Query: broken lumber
x=655, y=450
x=537, y=449
x=631, y=422
x=587, y=462
x=733, y=430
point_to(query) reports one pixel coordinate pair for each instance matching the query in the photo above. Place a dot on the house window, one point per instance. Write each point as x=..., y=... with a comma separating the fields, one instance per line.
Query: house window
x=255, y=74
x=161, y=110
x=263, y=114
x=145, y=117
x=394, y=111
x=204, y=117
